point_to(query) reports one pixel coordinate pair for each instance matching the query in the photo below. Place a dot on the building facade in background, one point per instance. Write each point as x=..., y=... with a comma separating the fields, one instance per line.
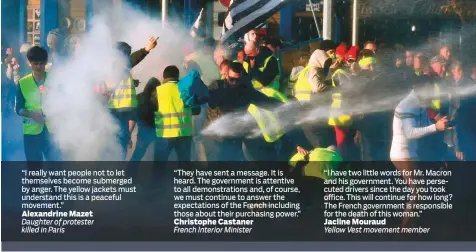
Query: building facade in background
x=380, y=20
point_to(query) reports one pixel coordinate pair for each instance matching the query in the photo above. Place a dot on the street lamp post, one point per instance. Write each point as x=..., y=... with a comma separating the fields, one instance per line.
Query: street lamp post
x=165, y=9
x=355, y=23
x=327, y=20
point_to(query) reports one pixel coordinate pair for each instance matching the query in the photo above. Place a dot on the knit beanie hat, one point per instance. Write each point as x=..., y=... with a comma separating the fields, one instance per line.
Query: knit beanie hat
x=352, y=53
x=341, y=50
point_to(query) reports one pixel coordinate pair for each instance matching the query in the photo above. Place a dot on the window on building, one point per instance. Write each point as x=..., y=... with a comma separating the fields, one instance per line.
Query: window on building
x=33, y=22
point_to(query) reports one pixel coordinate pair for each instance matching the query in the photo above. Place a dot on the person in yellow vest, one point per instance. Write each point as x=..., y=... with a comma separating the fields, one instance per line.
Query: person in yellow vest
x=421, y=64
x=235, y=94
x=445, y=53
x=438, y=72
x=36, y=136
x=261, y=66
x=275, y=45
x=312, y=78
x=295, y=71
x=173, y=119
x=123, y=98
x=317, y=163
x=340, y=121
x=312, y=83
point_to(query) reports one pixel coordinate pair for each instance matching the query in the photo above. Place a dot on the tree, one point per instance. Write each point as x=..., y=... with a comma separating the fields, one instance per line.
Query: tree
x=454, y=7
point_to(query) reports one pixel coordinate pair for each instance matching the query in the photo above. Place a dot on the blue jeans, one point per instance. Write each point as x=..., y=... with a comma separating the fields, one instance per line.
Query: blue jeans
x=123, y=117
x=199, y=153
x=182, y=146
x=145, y=137
x=39, y=147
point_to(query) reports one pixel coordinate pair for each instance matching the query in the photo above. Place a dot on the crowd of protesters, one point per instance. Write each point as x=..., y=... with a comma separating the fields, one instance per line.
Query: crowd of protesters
x=381, y=104
x=427, y=117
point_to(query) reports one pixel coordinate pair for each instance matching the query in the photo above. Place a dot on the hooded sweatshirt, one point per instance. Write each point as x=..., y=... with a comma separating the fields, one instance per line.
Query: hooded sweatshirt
x=317, y=74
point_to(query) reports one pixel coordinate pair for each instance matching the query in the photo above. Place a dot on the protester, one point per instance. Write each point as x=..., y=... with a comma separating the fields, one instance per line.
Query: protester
x=234, y=95
x=458, y=137
x=372, y=126
x=123, y=108
x=251, y=36
x=295, y=72
x=147, y=101
x=203, y=61
x=371, y=45
x=240, y=56
x=411, y=123
x=312, y=78
x=173, y=112
x=36, y=135
x=421, y=64
x=261, y=66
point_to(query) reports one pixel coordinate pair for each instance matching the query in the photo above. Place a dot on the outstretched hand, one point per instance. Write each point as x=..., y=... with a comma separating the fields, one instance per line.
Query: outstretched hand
x=151, y=44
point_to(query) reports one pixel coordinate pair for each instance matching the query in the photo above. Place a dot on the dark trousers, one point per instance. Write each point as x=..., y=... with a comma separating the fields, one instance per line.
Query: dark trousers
x=123, y=117
x=258, y=149
x=182, y=146
x=145, y=137
x=230, y=150
x=39, y=147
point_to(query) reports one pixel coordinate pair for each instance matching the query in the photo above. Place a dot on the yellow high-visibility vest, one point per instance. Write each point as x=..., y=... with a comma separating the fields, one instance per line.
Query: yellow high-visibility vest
x=258, y=85
x=124, y=95
x=172, y=119
x=32, y=96
x=267, y=120
x=321, y=162
x=273, y=93
x=267, y=123
x=436, y=103
x=302, y=88
x=337, y=118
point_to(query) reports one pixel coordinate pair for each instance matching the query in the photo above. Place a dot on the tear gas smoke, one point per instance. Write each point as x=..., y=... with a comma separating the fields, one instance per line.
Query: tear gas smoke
x=81, y=124
x=360, y=101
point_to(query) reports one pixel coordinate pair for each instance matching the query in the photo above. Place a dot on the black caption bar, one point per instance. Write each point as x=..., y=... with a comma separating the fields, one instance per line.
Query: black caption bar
x=243, y=201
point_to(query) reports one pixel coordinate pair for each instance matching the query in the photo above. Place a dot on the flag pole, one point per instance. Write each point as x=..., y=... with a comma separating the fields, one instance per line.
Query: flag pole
x=315, y=19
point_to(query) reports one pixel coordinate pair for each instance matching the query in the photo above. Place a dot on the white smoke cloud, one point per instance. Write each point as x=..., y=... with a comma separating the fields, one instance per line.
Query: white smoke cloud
x=81, y=124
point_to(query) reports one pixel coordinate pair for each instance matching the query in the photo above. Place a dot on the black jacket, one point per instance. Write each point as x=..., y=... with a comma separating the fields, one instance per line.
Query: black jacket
x=147, y=101
x=137, y=56
x=271, y=70
x=375, y=122
x=225, y=99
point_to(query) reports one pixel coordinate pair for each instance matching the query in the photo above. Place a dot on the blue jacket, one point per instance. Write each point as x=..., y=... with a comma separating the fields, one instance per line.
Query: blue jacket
x=193, y=91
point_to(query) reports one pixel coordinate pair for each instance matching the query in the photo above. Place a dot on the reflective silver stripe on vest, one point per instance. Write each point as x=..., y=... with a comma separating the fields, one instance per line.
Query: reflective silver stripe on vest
x=174, y=126
x=127, y=96
x=189, y=113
